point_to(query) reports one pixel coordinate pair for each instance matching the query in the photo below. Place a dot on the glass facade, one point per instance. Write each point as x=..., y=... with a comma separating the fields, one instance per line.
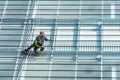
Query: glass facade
x=85, y=39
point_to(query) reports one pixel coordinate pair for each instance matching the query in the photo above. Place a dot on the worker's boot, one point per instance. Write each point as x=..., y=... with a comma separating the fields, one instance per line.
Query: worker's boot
x=24, y=52
x=35, y=51
x=42, y=48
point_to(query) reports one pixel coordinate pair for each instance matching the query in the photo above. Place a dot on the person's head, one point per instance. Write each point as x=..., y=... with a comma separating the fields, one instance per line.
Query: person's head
x=42, y=33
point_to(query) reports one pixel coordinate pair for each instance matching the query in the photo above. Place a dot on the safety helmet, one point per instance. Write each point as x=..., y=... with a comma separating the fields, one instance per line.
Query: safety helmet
x=41, y=32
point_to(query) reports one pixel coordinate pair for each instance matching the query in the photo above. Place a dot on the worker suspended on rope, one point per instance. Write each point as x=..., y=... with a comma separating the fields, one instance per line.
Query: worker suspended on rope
x=38, y=43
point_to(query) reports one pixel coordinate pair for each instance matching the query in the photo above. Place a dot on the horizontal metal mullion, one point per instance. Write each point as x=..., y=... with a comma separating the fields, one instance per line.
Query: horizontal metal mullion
x=9, y=9
x=60, y=70
x=11, y=4
x=89, y=64
x=72, y=9
x=95, y=30
x=81, y=35
x=37, y=4
x=78, y=24
x=59, y=35
x=55, y=0
x=62, y=14
x=93, y=77
x=62, y=77
x=59, y=24
x=88, y=46
x=54, y=9
x=73, y=40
